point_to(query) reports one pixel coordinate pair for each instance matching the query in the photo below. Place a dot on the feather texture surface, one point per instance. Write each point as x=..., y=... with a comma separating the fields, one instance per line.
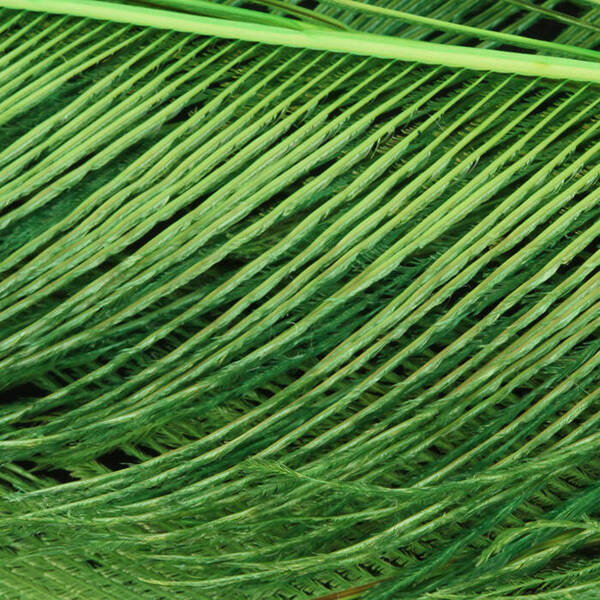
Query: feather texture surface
x=283, y=322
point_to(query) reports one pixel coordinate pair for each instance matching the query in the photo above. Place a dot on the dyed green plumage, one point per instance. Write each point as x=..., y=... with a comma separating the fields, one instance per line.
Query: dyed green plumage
x=285, y=323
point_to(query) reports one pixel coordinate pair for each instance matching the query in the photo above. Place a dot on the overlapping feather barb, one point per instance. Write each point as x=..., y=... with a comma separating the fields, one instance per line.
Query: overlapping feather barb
x=289, y=312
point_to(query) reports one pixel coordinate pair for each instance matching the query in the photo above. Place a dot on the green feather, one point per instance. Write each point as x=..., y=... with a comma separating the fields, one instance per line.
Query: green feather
x=299, y=300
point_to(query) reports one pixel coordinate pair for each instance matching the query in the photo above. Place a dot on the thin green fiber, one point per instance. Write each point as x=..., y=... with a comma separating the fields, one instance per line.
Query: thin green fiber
x=364, y=44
